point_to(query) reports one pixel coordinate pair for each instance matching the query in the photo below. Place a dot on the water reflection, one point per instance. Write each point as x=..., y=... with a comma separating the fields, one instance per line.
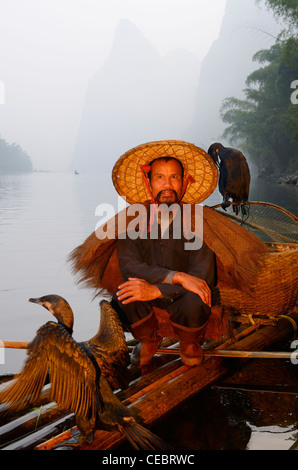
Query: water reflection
x=283, y=195
x=228, y=417
x=43, y=216
x=14, y=191
x=206, y=425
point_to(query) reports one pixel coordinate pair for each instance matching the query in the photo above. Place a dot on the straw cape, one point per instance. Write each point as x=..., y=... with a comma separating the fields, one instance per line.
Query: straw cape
x=130, y=171
x=237, y=253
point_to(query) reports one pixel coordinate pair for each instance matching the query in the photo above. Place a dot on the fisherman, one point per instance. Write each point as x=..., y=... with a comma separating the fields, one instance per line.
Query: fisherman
x=164, y=271
x=159, y=270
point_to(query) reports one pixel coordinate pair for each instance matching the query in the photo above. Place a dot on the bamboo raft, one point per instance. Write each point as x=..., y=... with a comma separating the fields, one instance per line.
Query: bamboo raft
x=154, y=395
x=170, y=384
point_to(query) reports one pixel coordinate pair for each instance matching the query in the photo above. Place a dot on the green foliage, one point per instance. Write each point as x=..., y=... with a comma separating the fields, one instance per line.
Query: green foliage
x=13, y=158
x=286, y=10
x=265, y=124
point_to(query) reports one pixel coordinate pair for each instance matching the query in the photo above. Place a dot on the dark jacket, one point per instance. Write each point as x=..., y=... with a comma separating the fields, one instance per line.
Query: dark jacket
x=156, y=261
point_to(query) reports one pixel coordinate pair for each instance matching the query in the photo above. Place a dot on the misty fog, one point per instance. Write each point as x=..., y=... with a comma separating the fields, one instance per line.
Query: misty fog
x=77, y=96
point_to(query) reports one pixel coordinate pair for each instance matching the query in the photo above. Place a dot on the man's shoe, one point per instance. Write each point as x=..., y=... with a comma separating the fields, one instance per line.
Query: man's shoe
x=146, y=331
x=143, y=353
x=191, y=352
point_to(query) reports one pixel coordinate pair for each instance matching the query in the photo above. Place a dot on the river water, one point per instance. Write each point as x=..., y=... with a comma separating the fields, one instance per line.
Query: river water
x=43, y=217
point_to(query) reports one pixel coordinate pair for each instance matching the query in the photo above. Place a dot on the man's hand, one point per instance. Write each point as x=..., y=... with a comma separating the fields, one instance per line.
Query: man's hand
x=137, y=289
x=194, y=284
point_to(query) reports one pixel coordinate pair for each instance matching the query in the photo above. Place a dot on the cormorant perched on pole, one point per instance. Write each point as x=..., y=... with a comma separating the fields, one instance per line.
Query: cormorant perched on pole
x=79, y=373
x=234, y=175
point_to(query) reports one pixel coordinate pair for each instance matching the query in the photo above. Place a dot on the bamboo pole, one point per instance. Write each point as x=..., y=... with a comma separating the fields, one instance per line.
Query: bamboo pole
x=250, y=354
x=14, y=344
x=35, y=419
x=230, y=353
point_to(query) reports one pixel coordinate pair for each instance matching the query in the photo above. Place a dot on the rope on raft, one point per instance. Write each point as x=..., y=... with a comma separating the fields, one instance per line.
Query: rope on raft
x=264, y=320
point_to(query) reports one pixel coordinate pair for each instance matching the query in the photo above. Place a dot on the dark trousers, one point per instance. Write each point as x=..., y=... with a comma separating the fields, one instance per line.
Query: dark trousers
x=185, y=309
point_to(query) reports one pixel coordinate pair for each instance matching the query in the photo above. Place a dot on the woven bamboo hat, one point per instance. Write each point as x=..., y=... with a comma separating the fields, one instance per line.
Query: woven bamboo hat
x=199, y=169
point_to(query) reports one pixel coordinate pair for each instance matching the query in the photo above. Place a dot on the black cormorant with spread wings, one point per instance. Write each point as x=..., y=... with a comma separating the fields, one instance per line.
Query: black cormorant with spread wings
x=82, y=374
x=234, y=174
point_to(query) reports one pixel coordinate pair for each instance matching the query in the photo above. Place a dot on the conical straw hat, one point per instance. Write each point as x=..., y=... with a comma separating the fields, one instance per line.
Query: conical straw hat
x=129, y=181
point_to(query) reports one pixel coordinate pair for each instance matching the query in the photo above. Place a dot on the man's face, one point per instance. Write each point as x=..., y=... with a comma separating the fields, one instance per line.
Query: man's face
x=166, y=181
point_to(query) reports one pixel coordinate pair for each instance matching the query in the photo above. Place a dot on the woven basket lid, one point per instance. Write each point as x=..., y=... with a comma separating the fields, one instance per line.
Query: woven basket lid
x=129, y=182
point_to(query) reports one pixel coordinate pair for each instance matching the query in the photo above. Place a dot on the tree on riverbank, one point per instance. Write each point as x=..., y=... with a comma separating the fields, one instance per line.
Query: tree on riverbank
x=265, y=124
x=285, y=10
x=13, y=158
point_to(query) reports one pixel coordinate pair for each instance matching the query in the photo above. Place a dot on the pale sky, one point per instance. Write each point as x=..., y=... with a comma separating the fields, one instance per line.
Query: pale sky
x=51, y=49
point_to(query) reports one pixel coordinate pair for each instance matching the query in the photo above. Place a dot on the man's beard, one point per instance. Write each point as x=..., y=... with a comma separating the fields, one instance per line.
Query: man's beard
x=169, y=200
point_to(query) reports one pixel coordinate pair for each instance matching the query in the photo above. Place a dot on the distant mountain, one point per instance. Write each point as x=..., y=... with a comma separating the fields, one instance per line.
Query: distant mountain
x=246, y=28
x=13, y=158
x=135, y=97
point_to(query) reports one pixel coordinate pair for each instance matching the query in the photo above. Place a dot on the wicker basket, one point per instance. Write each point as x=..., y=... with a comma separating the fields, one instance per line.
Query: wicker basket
x=274, y=289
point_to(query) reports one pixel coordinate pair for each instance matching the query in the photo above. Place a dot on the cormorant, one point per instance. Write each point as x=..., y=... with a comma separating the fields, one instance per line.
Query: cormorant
x=79, y=373
x=234, y=174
